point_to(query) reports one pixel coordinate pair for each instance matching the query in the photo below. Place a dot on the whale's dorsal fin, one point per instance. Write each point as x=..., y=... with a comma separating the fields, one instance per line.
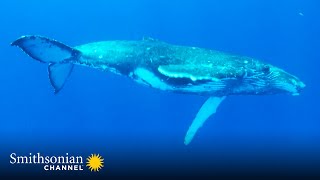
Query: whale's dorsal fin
x=150, y=39
x=207, y=110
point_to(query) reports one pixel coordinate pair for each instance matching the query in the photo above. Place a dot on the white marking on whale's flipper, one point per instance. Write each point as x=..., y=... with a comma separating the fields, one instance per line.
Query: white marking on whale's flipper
x=58, y=74
x=207, y=109
x=146, y=77
x=209, y=83
x=186, y=71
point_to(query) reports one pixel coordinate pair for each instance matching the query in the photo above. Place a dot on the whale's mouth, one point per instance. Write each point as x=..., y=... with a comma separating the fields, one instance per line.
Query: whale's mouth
x=286, y=87
x=293, y=88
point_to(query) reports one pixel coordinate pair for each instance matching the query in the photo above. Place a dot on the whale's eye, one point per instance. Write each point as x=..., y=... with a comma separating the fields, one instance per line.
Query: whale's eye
x=265, y=69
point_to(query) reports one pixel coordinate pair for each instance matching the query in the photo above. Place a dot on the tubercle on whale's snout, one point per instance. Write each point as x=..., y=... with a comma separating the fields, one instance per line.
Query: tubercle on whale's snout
x=299, y=87
x=302, y=85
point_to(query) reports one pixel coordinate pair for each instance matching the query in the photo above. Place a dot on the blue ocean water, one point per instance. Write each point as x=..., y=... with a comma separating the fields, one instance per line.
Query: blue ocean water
x=135, y=127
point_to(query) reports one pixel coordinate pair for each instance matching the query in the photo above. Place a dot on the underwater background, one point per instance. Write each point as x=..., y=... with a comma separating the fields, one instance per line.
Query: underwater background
x=139, y=131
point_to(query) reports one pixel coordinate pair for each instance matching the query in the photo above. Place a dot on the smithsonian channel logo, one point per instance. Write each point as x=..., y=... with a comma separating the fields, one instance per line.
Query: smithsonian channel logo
x=66, y=162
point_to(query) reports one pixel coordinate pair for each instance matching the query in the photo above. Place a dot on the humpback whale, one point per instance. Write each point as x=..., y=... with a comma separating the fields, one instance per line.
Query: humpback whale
x=160, y=65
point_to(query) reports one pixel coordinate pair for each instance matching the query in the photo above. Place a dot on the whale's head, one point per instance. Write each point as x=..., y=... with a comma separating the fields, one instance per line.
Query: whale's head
x=283, y=81
x=268, y=79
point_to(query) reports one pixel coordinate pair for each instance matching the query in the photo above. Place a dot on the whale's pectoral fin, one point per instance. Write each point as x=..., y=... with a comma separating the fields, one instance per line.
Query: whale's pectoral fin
x=58, y=74
x=207, y=109
x=193, y=72
x=200, y=71
x=59, y=56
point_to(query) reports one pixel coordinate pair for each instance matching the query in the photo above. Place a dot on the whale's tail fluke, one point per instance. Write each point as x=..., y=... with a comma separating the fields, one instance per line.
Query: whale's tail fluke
x=60, y=57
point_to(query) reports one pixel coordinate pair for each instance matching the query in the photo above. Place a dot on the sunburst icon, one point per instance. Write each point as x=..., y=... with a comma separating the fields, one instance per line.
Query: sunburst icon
x=95, y=162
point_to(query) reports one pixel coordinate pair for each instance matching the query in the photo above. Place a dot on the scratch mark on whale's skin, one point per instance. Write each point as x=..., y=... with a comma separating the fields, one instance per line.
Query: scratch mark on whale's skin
x=156, y=64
